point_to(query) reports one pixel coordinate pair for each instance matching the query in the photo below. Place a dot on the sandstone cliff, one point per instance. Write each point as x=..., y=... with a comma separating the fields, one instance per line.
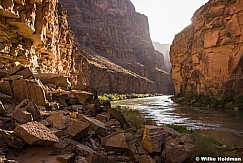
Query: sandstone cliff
x=36, y=33
x=123, y=59
x=207, y=56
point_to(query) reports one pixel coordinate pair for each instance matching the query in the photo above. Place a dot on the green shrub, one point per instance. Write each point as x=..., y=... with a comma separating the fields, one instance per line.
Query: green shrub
x=133, y=117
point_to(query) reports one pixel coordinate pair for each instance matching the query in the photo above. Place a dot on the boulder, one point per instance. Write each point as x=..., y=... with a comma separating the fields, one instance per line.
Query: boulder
x=29, y=89
x=22, y=116
x=145, y=159
x=153, y=139
x=90, y=109
x=77, y=129
x=26, y=73
x=15, y=69
x=67, y=158
x=95, y=125
x=35, y=133
x=57, y=120
x=5, y=87
x=3, y=111
x=33, y=109
x=56, y=79
x=75, y=107
x=180, y=147
x=119, y=116
x=82, y=96
x=102, y=117
x=99, y=158
x=115, y=142
x=10, y=139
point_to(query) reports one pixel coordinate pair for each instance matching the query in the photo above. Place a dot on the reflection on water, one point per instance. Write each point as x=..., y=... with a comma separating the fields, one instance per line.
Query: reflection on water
x=225, y=125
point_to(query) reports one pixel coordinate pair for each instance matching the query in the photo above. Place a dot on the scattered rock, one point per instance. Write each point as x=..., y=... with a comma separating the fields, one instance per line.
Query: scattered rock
x=11, y=140
x=35, y=133
x=57, y=120
x=26, y=73
x=95, y=125
x=67, y=158
x=22, y=116
x=115, y=142
x=119, y=116
x=16, y=69
x=179, y=147
x=153, y=139
x=145, y=159
x=102, y=117
x=29, y=89
x=82, y=96
x=33, y=109
x=98, y=158
x=77, y=129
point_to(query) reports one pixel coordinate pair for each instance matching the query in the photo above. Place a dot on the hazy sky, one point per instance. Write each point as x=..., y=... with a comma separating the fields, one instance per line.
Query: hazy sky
x=167, y=17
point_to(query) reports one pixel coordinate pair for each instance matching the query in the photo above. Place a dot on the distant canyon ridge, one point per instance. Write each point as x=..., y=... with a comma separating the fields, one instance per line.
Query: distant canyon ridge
x=103, y=44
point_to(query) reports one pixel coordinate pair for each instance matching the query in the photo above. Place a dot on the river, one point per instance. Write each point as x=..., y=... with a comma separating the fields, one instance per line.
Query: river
x=224, y=125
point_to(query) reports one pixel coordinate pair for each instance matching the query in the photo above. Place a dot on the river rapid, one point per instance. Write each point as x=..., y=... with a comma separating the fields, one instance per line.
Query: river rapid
x=224, y=125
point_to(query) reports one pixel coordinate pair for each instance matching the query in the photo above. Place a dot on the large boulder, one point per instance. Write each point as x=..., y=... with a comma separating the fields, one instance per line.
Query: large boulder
x=57, y=80
x=77, y=129
x=153, y=139
x=180, y=147
x=95, y=125
x=115, y=142
x=57, y=120
x=29, y=89
x=35, y=133
x=22, y=116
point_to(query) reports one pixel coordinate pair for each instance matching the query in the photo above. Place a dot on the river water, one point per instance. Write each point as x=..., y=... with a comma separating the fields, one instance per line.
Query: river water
x=224, y=125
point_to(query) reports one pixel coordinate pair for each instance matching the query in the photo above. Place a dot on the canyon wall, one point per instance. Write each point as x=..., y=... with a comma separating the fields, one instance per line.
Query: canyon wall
x=207, y=56
x=36, y=33
x=122, y=57
x=112, y=52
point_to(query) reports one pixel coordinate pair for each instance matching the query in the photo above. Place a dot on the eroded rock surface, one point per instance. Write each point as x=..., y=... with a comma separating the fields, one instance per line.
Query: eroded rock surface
x=123, y=59
x=207, y=56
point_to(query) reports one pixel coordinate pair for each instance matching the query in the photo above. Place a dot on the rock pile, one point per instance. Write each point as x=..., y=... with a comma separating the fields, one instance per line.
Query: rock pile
x=70, y=124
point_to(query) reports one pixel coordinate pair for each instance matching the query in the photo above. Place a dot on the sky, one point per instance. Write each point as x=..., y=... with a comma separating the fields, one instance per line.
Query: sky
x=167, y=17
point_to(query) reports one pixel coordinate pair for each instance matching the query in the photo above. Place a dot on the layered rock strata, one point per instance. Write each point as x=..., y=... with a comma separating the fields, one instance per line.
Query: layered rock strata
x=123, y=59
x=207, y=56
x=36, y=33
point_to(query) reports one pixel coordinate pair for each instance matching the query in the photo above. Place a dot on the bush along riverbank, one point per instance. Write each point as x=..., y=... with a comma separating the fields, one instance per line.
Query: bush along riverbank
x=116, y=97
x=226, y=101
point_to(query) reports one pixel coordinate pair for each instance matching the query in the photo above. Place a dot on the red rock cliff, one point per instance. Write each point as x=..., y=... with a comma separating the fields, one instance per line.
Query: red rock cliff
x=122, y=59
x=36, y=33
x=207, y=56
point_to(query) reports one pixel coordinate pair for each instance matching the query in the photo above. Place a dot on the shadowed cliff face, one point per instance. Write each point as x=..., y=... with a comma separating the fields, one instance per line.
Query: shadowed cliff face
x=207, y=56
x=123, y=59
x=36, y=33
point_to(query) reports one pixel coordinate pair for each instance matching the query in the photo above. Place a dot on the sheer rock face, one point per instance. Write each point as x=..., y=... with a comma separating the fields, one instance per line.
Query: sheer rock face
x=118, y=39
x=36, y=33
x=207, y=56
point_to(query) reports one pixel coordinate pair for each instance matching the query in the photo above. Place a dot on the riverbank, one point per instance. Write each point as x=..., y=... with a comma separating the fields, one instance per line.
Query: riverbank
x=204, y=145
x=226, y=101
x=116, y=97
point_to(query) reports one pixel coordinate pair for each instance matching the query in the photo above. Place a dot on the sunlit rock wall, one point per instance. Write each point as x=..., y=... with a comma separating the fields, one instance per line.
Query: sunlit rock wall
x=207, y=56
